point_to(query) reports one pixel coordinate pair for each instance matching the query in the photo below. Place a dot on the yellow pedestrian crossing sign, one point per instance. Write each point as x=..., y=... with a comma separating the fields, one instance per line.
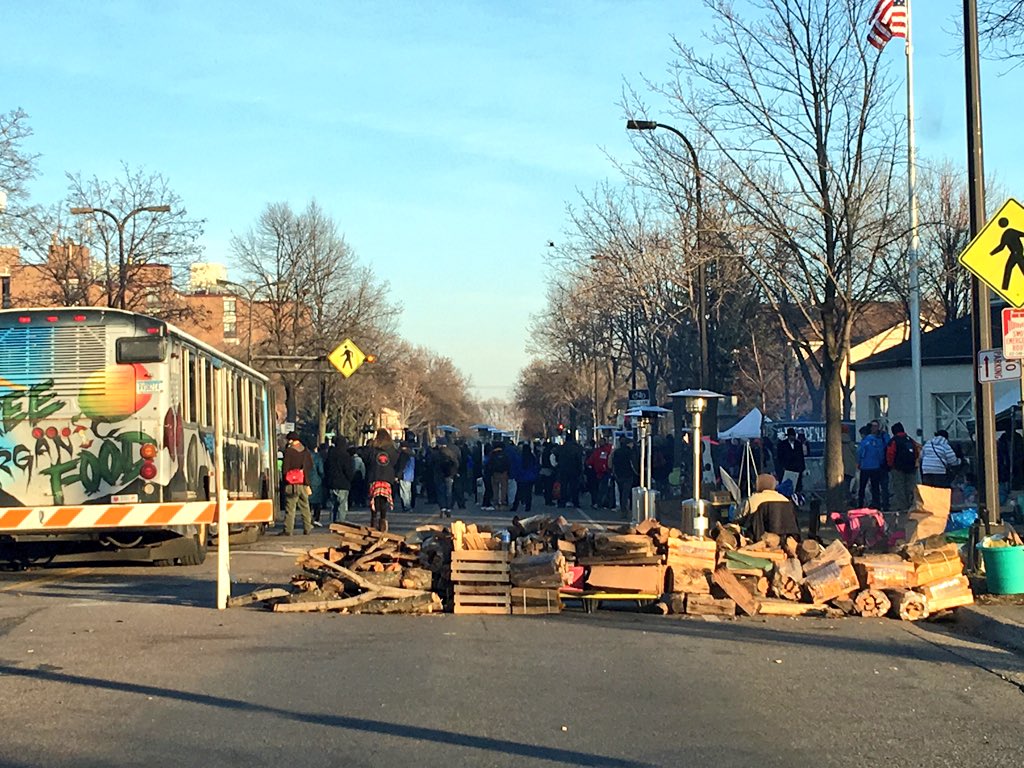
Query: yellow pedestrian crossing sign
x=347, y=358
x=996, y=255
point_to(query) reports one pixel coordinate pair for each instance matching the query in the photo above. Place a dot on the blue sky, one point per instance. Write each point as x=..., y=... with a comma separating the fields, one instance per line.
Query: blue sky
x=445, y=138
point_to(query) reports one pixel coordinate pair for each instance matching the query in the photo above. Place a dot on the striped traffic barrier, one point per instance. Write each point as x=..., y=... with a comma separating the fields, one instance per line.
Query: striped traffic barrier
x=66, y=517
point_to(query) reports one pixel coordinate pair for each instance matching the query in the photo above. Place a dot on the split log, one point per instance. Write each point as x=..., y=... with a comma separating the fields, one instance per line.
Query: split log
x=908, y=604
x=259, y=596
x=787, y=579
x=426, y=602
x=951, y=593
x=770, y=607
x=808, y=550
x=872, y=603
x=546, y=570
x=315, y=606
x=416, y=578
x=633, y=544
x=731, y=586
x=830, y=581
x=685, y=580
x=359, y=581
x=706, y=605
x=384, y=578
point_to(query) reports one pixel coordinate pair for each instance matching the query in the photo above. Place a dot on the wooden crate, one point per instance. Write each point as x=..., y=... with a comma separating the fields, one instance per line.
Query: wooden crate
x=528, y=601
x=480, y=580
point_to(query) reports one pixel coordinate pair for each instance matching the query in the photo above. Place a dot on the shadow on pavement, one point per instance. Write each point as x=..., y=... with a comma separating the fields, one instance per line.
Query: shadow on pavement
x=380, y=727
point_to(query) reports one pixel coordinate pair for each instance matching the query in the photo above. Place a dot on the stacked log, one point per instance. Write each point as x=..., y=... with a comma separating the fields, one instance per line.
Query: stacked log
x=872, y=603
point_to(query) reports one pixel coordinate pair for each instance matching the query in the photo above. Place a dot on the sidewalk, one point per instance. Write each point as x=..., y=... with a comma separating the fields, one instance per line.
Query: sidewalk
x=995, y=619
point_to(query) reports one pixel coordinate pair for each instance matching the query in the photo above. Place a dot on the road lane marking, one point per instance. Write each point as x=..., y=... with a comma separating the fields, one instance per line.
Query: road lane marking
x=61, y=576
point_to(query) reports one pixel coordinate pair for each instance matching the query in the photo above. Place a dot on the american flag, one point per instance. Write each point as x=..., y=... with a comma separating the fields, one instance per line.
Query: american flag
x=889, y=20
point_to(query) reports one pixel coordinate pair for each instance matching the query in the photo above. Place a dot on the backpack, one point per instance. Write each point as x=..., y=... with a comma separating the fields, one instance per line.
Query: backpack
x=905, y=458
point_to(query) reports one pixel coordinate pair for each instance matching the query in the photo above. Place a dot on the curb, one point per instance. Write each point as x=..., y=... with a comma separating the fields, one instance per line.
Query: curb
x=1004, y=633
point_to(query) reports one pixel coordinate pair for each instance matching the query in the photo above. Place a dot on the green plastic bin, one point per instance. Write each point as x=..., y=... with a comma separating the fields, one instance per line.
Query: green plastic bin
x=1004, y=569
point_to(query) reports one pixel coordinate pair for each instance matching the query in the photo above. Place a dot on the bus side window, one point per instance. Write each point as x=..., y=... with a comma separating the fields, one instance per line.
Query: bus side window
x=257, y=412
x=239, y=405
x=207, y=393
x=192, y=388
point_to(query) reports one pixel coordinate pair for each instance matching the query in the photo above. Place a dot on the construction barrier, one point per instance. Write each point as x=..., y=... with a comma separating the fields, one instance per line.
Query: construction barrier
x=62, y=518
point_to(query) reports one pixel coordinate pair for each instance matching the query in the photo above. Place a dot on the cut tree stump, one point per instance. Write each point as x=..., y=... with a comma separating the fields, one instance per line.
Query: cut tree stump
x=729, y=584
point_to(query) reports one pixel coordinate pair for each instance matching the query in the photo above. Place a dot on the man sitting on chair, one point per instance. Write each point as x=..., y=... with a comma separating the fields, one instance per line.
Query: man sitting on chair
x=768, y=511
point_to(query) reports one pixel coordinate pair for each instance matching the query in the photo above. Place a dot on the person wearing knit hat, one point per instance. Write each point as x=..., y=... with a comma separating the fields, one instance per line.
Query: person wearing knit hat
x=902, y=456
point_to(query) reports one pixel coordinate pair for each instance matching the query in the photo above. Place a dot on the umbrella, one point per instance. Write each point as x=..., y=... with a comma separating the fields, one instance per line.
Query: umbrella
x=483, y=427
x=447, y=428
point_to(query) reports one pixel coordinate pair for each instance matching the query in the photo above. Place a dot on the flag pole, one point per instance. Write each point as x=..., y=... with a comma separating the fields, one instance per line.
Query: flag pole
x=915, y=242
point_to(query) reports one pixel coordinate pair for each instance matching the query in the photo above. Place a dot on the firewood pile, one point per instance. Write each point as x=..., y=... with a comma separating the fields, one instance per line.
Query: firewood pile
x=537, y=562
x=366, y=571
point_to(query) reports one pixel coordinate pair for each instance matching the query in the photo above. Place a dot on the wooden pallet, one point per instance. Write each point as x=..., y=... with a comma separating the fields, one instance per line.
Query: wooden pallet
x=532, y=602
x=481, y=581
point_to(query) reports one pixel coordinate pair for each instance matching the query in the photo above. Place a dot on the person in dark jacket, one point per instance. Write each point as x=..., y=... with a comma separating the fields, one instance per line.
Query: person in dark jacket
x=526, y=475
x=499, y=465
x=570, y=471
x=296, y=469
x=625, y=467
x=380, y=472
x=768, y=511
x=338, y=477
x=790, y=459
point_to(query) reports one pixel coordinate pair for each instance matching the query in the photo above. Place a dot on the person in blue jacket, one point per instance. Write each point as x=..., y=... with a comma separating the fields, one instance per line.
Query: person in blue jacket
x=871, y=463
x=527, y=473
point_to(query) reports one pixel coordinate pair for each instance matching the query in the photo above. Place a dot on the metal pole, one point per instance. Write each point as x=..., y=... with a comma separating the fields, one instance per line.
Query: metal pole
x=914, y=264
x=223, y=550
x=981, y=310
x=700, y=523
x=120, y=263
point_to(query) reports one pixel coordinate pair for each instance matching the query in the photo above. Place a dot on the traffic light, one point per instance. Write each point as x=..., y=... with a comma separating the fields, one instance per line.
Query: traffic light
x=561, y=427
x=371, y=358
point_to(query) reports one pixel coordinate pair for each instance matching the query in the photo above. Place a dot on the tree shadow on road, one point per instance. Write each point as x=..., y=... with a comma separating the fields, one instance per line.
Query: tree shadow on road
x=379, y=727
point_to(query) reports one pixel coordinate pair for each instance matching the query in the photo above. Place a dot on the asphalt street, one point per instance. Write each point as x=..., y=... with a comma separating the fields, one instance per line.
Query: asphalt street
x=111, y=665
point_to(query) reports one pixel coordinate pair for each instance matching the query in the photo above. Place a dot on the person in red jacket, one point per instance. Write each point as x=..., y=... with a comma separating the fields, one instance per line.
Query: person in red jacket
x=598, y=462
x=296, y=469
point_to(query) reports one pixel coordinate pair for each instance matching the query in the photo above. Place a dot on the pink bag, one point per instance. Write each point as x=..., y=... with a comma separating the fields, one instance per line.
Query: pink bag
x=860, y=526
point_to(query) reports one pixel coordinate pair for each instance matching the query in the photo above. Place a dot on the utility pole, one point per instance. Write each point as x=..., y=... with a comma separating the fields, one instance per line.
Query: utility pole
x=981, y=304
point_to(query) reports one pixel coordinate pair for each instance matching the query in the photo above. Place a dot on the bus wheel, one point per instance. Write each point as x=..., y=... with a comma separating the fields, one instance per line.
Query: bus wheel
x=197, y=553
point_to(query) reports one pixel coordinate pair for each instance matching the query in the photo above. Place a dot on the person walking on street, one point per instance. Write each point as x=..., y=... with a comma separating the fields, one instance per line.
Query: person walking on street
x=937, y=457
x=296, y=469
x=499, y=467
x=338, y=477
x=381, y=475
x=317, y=488
x=626, y=471
x=548, y=467
x=526, y=475
x=790, y=461
x=570, y=470
x=406, y=471
x=598, y=462
x=902, y=457
x=870, y=460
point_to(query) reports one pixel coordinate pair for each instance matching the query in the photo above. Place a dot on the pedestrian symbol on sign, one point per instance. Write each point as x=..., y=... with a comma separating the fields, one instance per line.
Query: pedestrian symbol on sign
x=1012, y=241
x=997, y=253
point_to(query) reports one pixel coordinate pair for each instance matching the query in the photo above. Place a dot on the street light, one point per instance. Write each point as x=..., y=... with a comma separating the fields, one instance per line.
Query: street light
x=120, y=224
x=702, y=302
x=696, y=402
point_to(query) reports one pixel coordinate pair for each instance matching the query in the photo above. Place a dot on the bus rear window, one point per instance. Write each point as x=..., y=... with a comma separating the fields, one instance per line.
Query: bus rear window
x=144, y=349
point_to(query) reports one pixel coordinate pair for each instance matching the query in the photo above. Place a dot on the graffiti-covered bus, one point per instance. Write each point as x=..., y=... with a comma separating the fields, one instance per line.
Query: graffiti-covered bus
x=102, y=406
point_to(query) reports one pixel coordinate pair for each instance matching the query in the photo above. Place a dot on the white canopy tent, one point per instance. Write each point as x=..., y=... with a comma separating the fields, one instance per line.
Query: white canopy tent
x=747, y=428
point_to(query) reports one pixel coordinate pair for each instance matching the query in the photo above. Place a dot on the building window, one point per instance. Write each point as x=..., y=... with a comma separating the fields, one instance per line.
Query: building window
x=230, y=319
x=953, y=411
x=153, y=302
x=5, y=291
x=878, y=405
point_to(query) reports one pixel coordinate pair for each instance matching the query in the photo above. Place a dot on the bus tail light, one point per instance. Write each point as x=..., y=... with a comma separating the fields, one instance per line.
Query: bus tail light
x=79, y=318
x=148, y=451
x=148, y=470
x=24, y=319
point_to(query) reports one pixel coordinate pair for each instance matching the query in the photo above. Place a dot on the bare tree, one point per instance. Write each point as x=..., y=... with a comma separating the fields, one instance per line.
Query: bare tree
x=794, y=105
x=17, y=166
x=1001, y=26
x=158, y=248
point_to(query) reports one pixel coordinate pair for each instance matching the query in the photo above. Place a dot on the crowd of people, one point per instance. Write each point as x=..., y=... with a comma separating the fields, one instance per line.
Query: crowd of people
x=496, y=475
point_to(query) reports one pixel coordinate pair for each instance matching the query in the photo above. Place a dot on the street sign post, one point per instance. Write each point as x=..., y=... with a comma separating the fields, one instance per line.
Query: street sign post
x=996, y=255
x=1013, y=334
x=638, y=398
x=347, y=358
x=994, y=366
